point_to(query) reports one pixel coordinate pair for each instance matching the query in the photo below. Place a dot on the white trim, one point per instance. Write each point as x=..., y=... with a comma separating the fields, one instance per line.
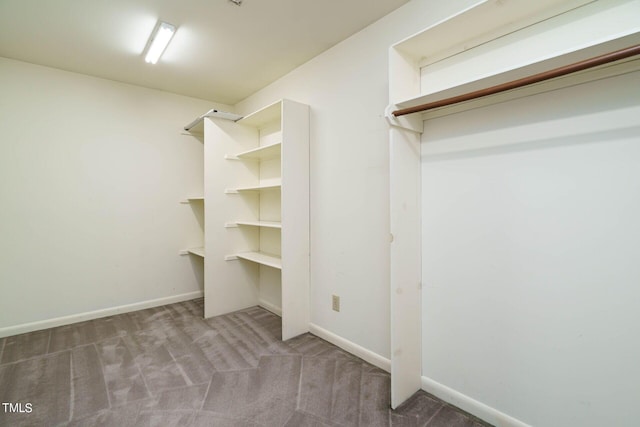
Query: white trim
x=96, y=314
x=472, y=406
x=351, y=347
x=270, y=307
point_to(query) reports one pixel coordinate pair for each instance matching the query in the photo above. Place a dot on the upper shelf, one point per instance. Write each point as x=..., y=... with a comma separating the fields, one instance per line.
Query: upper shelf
x=492, y=43
x=266, y=152
x=197, y=124
x=483, y=21
x=264, y=116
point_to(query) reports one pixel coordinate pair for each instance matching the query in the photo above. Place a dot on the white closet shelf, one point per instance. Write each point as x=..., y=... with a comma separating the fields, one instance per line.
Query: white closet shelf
x=262, y=259
x=255, y=188
x=257, y=176
x=193, y=199
x=529, y=69
x=265, y=115
x=196, y=251
x=482, y=21
x=197, y=125
x=486, y=54
x=266, y=224
x=266, y=152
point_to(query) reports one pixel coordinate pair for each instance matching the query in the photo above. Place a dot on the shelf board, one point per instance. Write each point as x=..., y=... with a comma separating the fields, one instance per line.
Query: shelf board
x=262, y=259
x=487, y=81
x=266, y=224
x=259, y=188
x=483, y=21
x=193, y=199
x=197, y=125
x=554, y=33
x=262, y=153
x=266, y=115
x=196, y=251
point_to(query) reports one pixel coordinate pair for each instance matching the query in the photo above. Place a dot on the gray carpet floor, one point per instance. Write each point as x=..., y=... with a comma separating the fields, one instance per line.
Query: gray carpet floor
x=168, y=366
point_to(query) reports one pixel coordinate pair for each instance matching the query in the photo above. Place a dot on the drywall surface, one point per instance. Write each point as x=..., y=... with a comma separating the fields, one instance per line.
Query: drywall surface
x=531, y=242
x=347, y=90
x=91, y=177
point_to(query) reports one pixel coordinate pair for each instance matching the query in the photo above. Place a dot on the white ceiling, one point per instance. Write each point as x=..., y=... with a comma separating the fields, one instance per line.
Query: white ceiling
x=220, y=52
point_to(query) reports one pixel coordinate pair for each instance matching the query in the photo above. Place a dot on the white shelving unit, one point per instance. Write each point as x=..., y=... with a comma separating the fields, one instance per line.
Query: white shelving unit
x=257, y=216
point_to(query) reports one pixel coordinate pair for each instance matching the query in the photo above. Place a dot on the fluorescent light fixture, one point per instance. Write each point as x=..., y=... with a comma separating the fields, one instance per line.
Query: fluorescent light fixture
x=160, y=38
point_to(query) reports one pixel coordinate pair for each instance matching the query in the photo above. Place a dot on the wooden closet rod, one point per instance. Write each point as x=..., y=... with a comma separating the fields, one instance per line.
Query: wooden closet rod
x=525, y=81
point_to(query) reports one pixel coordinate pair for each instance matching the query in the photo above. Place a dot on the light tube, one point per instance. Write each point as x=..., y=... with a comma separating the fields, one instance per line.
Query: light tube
x=161, y=39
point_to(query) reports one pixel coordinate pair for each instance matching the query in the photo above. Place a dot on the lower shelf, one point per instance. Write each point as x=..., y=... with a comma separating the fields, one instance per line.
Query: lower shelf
x=193, y=199
x=262, y=258
x=266, y=224
x=256, y=188
x=196, y=251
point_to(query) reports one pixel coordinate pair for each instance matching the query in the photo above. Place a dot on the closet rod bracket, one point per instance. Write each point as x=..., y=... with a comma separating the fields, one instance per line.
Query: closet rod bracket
x=411, y=123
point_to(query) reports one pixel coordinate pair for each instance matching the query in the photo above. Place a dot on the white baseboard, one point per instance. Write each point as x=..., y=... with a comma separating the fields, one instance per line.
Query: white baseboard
x=353, y=348
x=472, y=406
x=80, y=317
x=270, y=307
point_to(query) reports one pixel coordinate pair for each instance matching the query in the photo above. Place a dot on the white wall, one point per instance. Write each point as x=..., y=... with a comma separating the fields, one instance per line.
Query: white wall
x=535, y=339
x=347, y=89
x=530, y=258
x=91, y=175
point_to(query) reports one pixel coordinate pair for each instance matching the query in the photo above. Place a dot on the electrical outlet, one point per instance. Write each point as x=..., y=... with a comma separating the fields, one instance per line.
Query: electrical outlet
x=335, y=302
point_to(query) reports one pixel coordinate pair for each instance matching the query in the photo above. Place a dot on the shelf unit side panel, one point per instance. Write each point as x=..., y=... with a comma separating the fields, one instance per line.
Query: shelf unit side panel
x=405, y=263
x=229, y=285
x=295, y=219
x=271, y=289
